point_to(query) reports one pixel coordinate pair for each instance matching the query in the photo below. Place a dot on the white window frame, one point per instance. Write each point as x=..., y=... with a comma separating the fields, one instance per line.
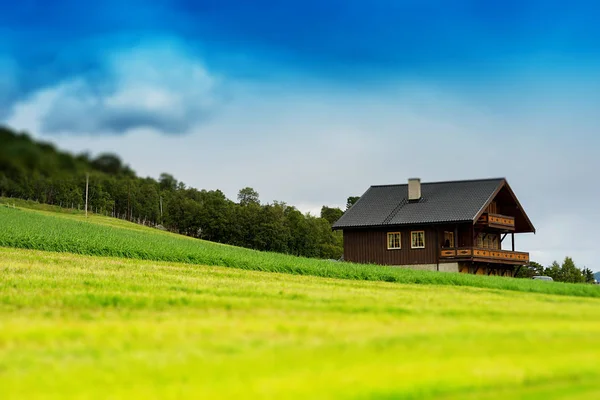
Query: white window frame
x=412, y=240
x=399, y=240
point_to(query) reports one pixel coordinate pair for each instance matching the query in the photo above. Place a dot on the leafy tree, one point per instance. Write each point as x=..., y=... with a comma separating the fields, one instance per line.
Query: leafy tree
x=536, y=268
x=216, y=216
x=588, y=275
x=570, y=272
x=248, y=196
x=108, y=163
x=167, y=182
x=330, y=245
x=272, y=232
x=567, y=272
x=4, y=184
x=530, y=270
x=331, y=214
x=554, y=271
x=351, y=201
x=300, y=233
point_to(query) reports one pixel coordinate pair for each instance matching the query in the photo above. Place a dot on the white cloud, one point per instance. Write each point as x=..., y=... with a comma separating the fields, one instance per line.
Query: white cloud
x=161, y=87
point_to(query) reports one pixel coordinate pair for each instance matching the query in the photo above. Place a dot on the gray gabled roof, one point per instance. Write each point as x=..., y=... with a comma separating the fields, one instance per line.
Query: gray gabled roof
x=441, y=202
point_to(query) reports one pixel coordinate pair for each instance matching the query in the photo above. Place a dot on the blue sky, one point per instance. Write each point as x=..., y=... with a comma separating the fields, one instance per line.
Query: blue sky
x=310, y=102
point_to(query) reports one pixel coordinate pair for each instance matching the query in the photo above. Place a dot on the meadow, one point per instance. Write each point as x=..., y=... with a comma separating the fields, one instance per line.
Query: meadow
x=76, y=326
x=105, y=236
x=102, y=308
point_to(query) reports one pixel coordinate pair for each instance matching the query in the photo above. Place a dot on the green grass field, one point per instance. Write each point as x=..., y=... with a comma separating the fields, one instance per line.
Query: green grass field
x=99, y=327
x=104, y=236
x=129, y=321
x=34, y=205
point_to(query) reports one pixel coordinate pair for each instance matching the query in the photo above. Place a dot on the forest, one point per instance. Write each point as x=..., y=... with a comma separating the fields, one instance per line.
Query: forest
x=38, y=171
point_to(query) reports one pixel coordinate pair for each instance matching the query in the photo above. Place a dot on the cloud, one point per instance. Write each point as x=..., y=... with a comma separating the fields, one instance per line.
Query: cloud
x=350, y=42
x=162, y=87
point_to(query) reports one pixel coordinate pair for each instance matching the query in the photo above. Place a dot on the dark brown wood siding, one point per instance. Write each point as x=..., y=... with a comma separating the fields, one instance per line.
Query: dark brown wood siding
x=465, y=235
x=370, y=246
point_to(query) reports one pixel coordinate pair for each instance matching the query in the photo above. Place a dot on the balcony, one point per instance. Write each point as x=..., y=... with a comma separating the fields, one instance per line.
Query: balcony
x=497, y=221
x=484, y=255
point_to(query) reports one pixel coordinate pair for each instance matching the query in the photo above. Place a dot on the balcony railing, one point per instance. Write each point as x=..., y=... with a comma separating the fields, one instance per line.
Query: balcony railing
x=497, y=221
x=484, y=255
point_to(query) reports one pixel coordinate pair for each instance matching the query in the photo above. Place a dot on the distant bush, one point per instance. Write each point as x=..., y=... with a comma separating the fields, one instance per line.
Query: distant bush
x=565, y=272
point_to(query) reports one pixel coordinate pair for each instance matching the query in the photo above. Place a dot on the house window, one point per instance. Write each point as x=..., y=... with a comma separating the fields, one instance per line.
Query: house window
x=448, y=239
x=394, y=240
x=493, y=242
x=488, y=241
x=417, y=239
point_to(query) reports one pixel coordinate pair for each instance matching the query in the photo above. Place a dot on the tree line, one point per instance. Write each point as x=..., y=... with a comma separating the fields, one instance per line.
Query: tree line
x=565, y=272
x=33, y=170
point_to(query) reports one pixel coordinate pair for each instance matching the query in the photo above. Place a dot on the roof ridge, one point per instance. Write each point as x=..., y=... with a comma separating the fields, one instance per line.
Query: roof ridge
x=488, y=200
x=439, y=182
x=442, y=202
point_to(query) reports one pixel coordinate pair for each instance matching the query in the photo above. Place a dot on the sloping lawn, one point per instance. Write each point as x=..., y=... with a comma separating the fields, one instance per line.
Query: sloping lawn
x=75, y=326
x=104, y=236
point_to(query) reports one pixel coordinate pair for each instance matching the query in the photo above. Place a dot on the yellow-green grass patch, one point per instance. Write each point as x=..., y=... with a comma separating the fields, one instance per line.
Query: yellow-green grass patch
x=101, y=327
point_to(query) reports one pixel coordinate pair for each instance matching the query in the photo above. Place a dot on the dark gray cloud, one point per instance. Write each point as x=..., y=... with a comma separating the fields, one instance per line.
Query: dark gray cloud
x=99, y=119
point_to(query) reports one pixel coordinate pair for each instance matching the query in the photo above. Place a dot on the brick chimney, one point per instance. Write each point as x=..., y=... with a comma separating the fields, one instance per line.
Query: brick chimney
x=414, y=189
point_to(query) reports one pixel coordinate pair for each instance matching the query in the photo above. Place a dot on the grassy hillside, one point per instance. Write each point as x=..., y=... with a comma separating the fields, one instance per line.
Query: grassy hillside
x=100, y=327
x=34, y=205
x=104, y=236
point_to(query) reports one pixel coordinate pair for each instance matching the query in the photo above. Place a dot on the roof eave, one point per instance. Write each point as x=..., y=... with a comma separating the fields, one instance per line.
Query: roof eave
x=466, y=221
x=503, y=184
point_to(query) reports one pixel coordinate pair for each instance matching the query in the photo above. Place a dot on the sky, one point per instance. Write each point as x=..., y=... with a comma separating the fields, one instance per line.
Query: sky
x=310, y=102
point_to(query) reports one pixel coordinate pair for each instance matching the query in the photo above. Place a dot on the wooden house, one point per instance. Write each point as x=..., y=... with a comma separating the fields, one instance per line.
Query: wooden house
x=459, y=226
